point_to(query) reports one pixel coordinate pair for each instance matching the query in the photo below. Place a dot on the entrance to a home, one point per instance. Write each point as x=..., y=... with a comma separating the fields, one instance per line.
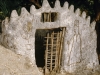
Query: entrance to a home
x=48, y=49
x=53, y=52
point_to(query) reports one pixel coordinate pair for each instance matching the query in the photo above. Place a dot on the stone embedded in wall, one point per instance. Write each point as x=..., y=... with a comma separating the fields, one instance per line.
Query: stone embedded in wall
x=18, y=34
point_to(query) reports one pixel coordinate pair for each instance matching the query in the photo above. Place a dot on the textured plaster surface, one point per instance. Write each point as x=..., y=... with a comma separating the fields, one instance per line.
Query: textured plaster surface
x=79, y=50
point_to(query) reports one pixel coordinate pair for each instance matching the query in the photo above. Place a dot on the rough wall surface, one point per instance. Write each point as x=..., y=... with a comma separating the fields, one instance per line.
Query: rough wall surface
x=79, y=50
x=13, y=64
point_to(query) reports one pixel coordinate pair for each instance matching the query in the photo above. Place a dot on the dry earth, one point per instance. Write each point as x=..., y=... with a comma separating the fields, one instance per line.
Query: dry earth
x=13, y=64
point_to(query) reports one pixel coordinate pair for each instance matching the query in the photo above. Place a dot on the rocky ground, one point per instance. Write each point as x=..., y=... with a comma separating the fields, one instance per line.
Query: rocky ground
x=13, y=64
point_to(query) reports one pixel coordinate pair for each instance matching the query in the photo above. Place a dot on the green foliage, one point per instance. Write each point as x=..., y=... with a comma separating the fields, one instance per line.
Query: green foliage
x=6, y=6
x=84, y=5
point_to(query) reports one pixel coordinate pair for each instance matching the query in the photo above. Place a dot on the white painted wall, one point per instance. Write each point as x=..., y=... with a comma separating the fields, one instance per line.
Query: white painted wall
x=80, y=39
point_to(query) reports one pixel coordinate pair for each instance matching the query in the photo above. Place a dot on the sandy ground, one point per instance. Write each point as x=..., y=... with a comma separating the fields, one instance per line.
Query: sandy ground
x=13, y=64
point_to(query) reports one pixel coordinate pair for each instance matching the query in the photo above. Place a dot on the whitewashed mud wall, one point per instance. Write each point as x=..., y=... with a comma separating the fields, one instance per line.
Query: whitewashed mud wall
x=18, y=34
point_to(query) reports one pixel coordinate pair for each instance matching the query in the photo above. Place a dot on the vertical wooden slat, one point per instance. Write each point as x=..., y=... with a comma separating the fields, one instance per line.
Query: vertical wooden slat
x=44, y=17
x=46, y=53
x=62, y=33
x=52, y=36
x=57, y=49
x=50, y=16
x=51, y=55
x=54, y=48
x=59, y=44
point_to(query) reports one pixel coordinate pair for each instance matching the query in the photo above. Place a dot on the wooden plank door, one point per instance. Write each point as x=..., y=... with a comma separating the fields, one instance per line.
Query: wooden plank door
x=53, y=52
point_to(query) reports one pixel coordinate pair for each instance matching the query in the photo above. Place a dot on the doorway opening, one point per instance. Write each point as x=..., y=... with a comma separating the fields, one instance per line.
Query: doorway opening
x=48, y=48
x=39, y=47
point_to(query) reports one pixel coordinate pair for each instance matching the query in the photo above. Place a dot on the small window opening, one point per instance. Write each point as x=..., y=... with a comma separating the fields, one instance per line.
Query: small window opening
x=49, y=17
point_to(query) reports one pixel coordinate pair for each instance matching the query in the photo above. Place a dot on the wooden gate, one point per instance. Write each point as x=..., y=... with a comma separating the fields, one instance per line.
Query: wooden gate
x=53, y=52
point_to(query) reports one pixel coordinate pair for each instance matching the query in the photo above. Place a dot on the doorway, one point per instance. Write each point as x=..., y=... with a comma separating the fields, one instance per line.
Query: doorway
x=48, y=48
x=53, y=52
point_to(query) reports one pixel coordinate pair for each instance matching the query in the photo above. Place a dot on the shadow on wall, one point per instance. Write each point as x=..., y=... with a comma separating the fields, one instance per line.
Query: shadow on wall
x=39, y=48
x=0, y=26
x=98, y=39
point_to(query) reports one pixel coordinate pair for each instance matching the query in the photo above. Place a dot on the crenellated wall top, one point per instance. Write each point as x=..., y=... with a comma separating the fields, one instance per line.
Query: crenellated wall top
x=64, y=11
